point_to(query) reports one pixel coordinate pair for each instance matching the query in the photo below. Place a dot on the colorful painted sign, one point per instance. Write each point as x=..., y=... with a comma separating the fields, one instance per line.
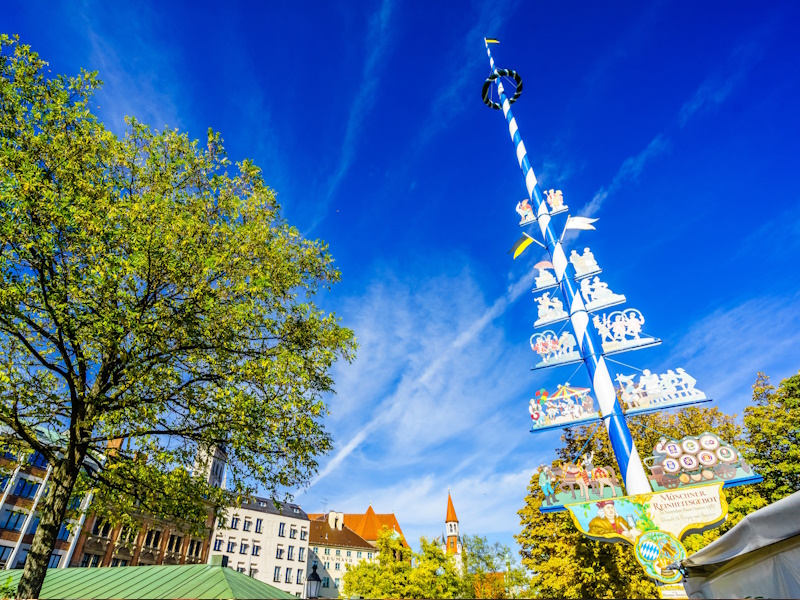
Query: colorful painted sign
x=554, y=349
x=585, y=264
x=597, y=295
x=579, y=481
x=695, y=460
x=678, y=513
x=654, y=392
x=622, y=330
x=568, y=406
x=545, y=279
x=551, y=310
x=671, y=591
x=556, y=201
x=657, y=552
x=525, y=212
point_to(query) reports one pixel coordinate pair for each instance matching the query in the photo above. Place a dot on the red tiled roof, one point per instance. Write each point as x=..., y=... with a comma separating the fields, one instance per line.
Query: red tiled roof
x=321, y=533
x=367, y=525
x=451, y=511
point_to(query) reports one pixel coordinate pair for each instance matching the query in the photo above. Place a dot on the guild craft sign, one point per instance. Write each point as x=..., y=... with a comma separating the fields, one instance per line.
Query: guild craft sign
x=576, y=481
x=654, y=523
x=695, y=460
x=567, y=406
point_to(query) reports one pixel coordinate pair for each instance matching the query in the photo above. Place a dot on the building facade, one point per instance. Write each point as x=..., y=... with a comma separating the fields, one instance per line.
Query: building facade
x=23, y=483
x=152, y=541
x=266, y=541
x=333, y=547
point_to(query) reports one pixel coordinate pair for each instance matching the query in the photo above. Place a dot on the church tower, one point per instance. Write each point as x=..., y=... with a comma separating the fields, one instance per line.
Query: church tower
x=210, y=464
x=451, y=537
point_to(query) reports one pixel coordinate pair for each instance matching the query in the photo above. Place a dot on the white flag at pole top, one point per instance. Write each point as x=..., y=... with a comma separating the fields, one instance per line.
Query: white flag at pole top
x=583, y=223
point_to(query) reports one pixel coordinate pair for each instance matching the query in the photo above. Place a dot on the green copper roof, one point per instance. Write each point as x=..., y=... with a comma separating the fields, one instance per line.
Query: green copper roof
x=137, y=583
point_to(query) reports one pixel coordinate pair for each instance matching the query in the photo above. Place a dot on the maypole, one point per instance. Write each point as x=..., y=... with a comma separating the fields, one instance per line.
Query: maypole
x=591, y=347
x=684, y=491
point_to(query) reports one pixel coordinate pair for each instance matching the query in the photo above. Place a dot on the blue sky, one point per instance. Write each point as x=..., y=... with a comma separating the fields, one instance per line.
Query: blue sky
x=675, y=124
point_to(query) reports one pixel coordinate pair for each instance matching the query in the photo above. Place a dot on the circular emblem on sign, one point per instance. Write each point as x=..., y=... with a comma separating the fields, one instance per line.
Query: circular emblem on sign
x=707, y=458
x=709, y=441
x=659, y=553
x=726, y=454
x=671, y=465
x=673, y=449
x=690, y=446
x=689, y=462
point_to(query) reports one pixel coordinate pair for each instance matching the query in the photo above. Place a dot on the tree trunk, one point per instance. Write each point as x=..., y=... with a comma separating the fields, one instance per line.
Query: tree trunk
x=51, y=514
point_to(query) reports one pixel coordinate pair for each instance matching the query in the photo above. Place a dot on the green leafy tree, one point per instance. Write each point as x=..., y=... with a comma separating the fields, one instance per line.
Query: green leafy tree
x=490, y=570
x=399, y=572
x=150, y=294
x=772, y=431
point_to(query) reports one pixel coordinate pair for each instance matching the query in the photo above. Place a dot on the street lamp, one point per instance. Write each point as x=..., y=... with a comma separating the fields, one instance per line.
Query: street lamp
x=312, y=583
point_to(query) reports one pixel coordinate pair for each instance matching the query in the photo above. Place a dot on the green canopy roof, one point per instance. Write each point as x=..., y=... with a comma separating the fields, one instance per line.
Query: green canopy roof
x=137, y=583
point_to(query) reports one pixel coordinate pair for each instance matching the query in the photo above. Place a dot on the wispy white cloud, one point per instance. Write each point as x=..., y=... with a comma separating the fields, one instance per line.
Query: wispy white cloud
x=717, y=87
x=628, y=172
x=429, y=357
x=726, y=348
x=130, y=90
x=377, y=45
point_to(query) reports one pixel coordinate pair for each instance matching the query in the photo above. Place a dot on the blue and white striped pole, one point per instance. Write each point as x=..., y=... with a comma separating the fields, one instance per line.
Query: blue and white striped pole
x=630, y=465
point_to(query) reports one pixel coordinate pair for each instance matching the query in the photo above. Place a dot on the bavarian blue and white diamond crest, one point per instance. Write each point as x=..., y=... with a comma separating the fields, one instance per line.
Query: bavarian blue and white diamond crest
x=649, y=550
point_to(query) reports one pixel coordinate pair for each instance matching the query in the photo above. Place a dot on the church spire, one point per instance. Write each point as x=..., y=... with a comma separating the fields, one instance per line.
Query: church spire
x=451, y=511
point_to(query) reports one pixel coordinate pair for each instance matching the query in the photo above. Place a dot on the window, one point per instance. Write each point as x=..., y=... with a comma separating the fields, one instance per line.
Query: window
x=152, y=538
x=338, y=553
x=240, y=568
x=90, y=560
x=256, y=550
x=38, y=460
x=34, y=525
x=348, y=553
x=290, y=553
x=54, y=560
x=259, y=522
x=63, y=533
x=25, y=488
x=326, y=582
x=174, y=544
x=247, y=525
x=235, y=523
x=253, y=572
x=299, y=575
x=243, y=548
x=119, y=562
x=358, y=554
x=217, y=545
x=303, y=533
x=231, y=546
x=74, y=503
x=279, y=551
x=327, y=550
x=336, y=583
x=369, y=554
x=301, y=553
x=282, y=529
x=195, y=546
x=327, y=566
x=12, y=519
x=292, y=532
x=288, y=578
x=277, y=575
x=338, y=566
x=316, y=550
x=127, y=534
x=5, y=552
x=101, y=529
